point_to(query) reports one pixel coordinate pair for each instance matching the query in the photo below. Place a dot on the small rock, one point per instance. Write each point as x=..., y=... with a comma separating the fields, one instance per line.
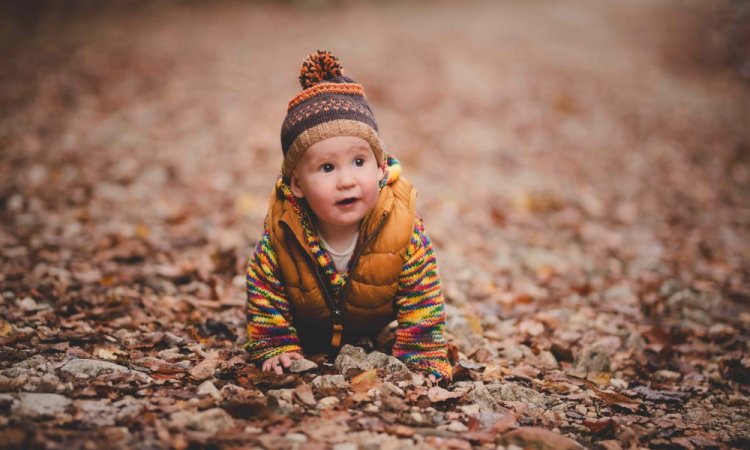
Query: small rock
x=95, y=413
x=298, y=438
x=481, y=396
x=667, y=375
x=380, y=360
x=531, y=327
x=208, y=388
x=172, y=354
x=36, y=363
x=92, y=367
x=210, y=421
x=547, y=360
x=392, y=388
x=127, y=409
x=29, y=304
x=329, y=381
x=346, y=446
x=470, y=410
x=371, y=409
x=457, y=427
x=234, y=393
x=592, y=360
x=172, y=339
x=327, y=403
x=302, y=365
x=693, y=305
x=37, y=406
x=513, y=392
x=352, y=357
x=285, y=395
x=618, y=383
x=513, y=352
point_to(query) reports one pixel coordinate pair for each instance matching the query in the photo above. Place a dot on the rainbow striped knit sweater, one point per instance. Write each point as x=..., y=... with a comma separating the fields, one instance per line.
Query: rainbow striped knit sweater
x=420, y=307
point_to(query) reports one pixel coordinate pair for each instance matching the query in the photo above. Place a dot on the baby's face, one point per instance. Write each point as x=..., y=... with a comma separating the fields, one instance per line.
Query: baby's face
x=339, y=178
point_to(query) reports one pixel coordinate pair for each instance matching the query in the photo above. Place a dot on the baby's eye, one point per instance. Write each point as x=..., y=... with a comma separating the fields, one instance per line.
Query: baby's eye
x=327, y=167
x=359, y=162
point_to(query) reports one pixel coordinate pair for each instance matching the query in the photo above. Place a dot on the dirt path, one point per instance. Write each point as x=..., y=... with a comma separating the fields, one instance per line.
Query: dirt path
x=583, y=170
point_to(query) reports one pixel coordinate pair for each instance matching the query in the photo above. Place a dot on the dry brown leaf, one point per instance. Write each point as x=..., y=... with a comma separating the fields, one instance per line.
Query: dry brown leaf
x=541, y=439
x=5, y=328
x=304, y=394
x=437, y=394
x=206, y=368
x=400, y=430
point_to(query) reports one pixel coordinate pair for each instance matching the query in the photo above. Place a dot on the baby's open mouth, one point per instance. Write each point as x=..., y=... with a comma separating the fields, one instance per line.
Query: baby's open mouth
x=346, y=201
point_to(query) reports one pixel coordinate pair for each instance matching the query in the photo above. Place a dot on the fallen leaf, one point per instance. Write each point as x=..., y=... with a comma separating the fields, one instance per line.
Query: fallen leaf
x=206, y=368
x=400, y=430
x=437, y=394
x=540, y=439
x=304, y=394
x=5, y=328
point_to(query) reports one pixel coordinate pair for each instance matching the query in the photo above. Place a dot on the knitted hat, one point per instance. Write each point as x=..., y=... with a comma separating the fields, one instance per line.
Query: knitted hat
x=329, y=105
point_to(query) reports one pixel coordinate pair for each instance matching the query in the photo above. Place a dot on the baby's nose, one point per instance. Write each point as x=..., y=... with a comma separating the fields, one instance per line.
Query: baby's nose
x=346, y=178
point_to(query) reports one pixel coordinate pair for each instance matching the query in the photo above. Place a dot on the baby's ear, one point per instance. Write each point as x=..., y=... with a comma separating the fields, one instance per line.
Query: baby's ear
x=295, y=186
x=382, y=172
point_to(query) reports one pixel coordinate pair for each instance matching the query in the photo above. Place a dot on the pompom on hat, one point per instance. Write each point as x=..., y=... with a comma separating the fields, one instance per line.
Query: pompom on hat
x=329, y=105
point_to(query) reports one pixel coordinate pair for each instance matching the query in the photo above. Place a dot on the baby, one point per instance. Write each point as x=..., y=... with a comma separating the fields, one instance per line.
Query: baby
x=343, y=252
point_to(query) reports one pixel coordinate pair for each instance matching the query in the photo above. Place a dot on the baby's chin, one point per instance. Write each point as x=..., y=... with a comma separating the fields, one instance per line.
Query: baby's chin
x=346, y=220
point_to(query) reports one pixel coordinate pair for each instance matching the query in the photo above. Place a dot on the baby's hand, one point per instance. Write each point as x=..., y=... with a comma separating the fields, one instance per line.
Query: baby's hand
x=275, y=363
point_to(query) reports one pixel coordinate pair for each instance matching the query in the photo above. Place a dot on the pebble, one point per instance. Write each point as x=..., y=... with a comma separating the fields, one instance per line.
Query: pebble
x=84, y=368
x=329, y=381
x=29, y=304
x=327, y=402
x=37, y=406
x=346, y=446
x=371, y=409
x=393, y=388
x=457, y=427
x=296, y=437
x=210, y=421
x=352, y=357
x=302, y=365
x=208, y=388
x=513, y=392
x=470, y=410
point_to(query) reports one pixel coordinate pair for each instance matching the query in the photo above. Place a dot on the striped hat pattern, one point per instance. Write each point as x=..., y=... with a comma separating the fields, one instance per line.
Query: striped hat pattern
x=330, y=104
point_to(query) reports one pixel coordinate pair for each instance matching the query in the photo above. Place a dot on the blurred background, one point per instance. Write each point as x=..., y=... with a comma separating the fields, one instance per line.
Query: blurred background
x=556, y=145
x=583, y=169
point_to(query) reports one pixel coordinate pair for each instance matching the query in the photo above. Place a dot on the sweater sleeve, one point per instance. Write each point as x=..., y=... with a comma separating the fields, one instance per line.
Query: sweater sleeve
x=420, y=343
x=269, y=328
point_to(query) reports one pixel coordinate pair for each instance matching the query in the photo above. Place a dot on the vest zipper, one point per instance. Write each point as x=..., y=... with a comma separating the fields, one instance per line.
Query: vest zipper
x=327, y=297
x=338, y=326
x=332, y=303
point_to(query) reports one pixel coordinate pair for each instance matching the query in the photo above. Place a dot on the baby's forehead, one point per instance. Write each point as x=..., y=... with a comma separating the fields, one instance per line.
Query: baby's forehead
x=337, y=146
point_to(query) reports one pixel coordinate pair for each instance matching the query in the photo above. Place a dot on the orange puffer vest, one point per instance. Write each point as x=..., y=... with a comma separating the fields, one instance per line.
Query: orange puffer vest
x=365, y=304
